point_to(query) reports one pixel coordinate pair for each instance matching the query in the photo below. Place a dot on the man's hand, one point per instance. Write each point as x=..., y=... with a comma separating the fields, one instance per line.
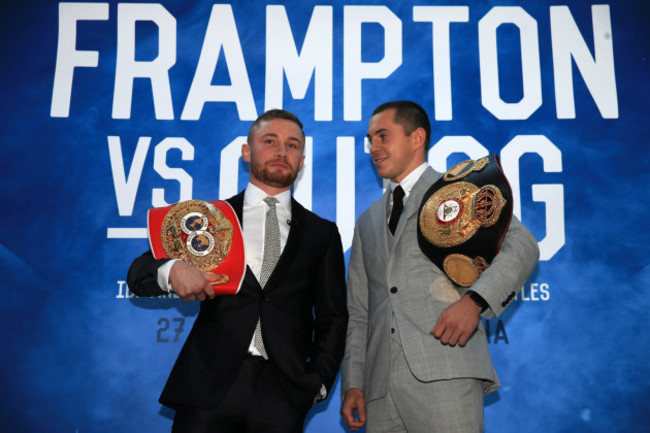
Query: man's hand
x=354, y=401
x=457, y=322
x=191, y=284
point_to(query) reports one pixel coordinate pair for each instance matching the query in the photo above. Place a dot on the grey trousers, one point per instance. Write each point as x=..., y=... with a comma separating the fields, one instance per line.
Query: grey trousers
x=443, y=406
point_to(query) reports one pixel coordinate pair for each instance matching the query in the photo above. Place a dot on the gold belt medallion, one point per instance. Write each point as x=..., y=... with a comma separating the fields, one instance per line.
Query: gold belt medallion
x=198, y=233
x=455, y=212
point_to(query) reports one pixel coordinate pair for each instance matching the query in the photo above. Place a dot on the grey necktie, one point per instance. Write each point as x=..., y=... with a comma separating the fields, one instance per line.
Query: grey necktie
x=271, y=241
x=269, y=260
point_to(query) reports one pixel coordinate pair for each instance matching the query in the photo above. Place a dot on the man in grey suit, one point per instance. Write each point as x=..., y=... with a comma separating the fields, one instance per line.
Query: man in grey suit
x=416, y=356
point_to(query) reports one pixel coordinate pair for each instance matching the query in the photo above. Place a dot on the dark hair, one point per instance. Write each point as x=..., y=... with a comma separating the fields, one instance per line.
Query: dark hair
x=410, y=115
x=271, y=114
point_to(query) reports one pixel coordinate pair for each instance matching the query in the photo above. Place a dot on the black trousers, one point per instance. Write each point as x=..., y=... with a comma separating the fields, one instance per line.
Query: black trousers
x=256, y=403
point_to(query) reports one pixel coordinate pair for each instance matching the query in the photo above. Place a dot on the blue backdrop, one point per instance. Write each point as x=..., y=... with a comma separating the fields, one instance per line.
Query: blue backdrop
x=110, y=108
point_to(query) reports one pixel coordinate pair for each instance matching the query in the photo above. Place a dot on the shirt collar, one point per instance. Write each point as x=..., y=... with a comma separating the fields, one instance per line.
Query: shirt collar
x=410, y=180
x=254, y=196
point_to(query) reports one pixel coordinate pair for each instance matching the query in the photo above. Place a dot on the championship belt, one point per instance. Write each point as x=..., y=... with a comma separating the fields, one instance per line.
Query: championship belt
x=464, y=217
x=206, y=235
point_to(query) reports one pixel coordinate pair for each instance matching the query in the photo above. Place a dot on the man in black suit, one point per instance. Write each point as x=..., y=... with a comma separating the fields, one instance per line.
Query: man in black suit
x=224, y=380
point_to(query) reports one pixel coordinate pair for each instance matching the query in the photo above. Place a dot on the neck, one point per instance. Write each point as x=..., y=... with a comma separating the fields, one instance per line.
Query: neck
x=400, y=177
x=268, y=189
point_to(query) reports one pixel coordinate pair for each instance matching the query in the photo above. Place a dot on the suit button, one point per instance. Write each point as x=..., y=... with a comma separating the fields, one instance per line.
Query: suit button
x=267, y=300
x=393, y=289
x=392, y=330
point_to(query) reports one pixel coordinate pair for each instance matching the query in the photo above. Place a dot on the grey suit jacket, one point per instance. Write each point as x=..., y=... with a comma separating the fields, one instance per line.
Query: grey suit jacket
x=390, y=275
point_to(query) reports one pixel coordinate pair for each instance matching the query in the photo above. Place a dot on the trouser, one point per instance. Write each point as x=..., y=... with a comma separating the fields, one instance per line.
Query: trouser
x=413, y=406
x=255, y=403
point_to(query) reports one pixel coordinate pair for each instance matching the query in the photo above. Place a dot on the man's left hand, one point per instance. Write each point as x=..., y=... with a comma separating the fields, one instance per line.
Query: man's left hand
x=457, y=322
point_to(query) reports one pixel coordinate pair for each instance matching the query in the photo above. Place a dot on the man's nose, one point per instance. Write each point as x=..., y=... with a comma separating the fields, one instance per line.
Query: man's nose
x=281, y=149
x=373, y=145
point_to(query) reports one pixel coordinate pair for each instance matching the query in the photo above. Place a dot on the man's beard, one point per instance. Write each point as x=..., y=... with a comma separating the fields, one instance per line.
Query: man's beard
x=276, y=179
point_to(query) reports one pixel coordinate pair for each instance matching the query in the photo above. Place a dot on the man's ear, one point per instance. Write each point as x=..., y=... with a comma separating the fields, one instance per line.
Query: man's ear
x=419, y=136
x=246, y=152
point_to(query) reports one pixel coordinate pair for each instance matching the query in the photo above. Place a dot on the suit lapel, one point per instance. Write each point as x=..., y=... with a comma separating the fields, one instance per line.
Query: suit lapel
x=413, y=203
x=379, y=220
x=250, y=280
x=237, y=203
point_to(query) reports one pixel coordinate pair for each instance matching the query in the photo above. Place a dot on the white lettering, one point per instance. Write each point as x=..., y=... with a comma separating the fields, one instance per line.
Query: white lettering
x=546, y=293
x=166, y=172
x=597, y=71
x=440, y=18
x=551, y=194
x=315, y=59
x=302, y=187
x=221, y=34
x=123, y=291
x=345, y=191
x=354, y=70
x=534, y=292
x=126, y=188
x=157, y=70
x=530, y=63
x=67, y=56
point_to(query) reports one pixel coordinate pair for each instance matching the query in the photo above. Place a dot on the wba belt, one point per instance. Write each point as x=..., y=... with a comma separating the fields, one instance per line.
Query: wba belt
x=464, y=217
x=206, y=235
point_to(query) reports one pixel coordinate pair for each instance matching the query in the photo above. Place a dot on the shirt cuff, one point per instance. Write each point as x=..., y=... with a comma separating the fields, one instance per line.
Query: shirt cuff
x=163, y=276
x=322, y=394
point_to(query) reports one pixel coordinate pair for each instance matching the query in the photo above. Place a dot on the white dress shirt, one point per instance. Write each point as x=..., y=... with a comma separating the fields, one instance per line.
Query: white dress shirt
x=254, y=221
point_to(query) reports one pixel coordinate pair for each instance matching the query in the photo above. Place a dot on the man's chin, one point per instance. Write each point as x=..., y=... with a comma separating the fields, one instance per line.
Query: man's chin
x=278, y=180
x=384, y=174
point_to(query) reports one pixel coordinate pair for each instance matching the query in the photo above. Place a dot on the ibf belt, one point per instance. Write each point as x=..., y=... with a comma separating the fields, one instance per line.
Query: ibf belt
x=206, y=235
x=464, y=217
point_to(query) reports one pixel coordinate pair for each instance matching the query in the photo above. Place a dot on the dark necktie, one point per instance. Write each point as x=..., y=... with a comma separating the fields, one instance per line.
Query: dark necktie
x=398, y=195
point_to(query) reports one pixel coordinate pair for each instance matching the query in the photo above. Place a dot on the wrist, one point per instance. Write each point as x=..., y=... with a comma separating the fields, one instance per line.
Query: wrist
x=477, y=300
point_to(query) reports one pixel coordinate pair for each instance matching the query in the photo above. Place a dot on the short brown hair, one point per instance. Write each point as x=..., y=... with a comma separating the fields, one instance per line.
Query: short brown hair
x=410, y=115
x=275, y=113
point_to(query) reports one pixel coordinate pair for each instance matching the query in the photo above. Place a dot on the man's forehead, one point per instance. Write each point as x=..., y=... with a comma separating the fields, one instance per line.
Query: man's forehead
x=271, y=127
x=379, y=123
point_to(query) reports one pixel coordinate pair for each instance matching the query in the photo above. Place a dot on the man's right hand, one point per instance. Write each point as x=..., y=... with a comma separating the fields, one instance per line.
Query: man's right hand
x=354, y=401
x=191, y=284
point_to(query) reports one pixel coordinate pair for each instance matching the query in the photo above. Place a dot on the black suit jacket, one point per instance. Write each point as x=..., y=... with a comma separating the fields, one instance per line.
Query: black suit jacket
x=302, y=309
